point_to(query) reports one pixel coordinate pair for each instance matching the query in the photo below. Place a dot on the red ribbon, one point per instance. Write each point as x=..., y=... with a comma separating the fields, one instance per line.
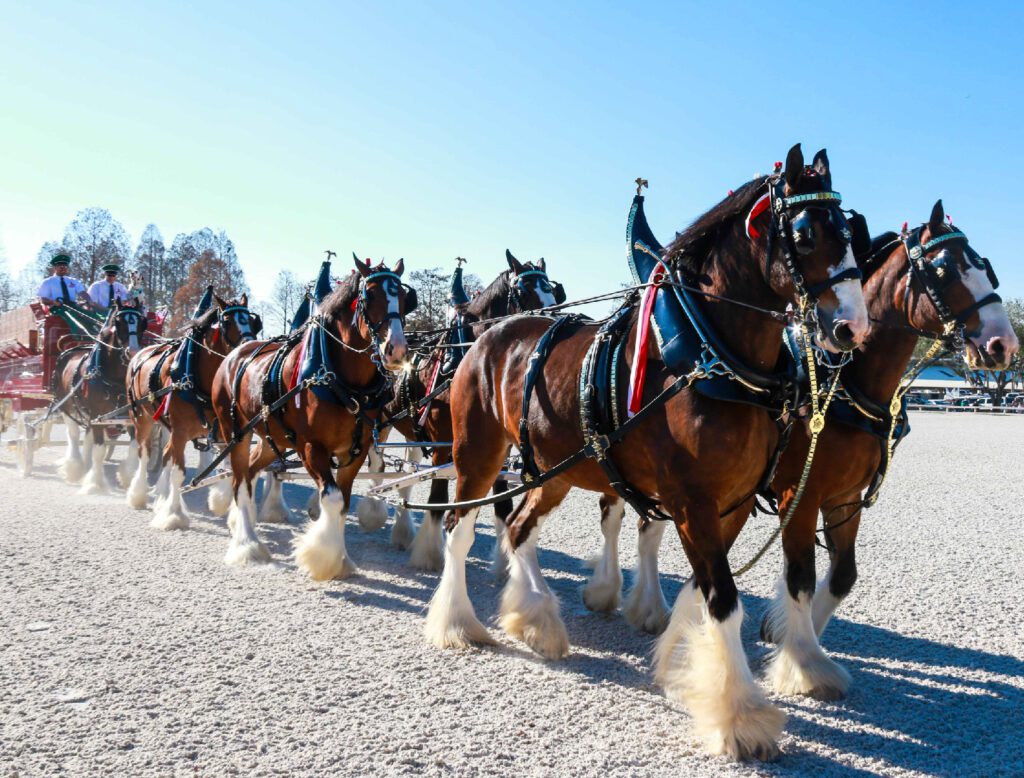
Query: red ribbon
x=164, y=403
x=758, y=208
x=638, y=375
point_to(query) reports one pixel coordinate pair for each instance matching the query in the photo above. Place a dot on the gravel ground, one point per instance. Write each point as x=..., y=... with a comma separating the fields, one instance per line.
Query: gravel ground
x=125, y=651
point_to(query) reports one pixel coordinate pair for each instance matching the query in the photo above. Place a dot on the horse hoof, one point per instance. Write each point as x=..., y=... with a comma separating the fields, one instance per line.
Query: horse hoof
x=274, y=514
x=602, y=596
x=753, y=734
x=170, y=521
x=402, y=531
x=539, y=625
x=247, y=553
x=371, y=513
x=444, y=630
x=218, y=499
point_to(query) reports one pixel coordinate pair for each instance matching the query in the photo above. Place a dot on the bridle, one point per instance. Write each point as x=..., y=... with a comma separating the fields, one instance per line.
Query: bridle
x=243, y=318
x=785, y=227
x=136, y=322
x=517, y=288
x=939, y=274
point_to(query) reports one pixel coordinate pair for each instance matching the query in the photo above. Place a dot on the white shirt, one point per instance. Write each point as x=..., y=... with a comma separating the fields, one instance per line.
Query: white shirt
x=99, y=293
x=50, y=288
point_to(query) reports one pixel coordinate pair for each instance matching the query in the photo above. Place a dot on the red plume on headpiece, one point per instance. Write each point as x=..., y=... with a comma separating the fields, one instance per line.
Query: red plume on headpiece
x=778, y=167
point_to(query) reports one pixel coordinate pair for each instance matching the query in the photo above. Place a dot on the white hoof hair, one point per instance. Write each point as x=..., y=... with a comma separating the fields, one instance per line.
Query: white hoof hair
x=170, y=520
x=799, y=666
x=371, y=513
x=427, y=553
x=313, y=506
x=72, y=470
x=218, y=497
x=535, y=621
x=320, y=551
x=249, y=552
x=645, y=610
x=602, y=593
x=711, y=677
x=403, y=530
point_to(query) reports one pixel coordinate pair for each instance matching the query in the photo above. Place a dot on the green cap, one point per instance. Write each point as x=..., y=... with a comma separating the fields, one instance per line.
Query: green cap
x=60, y=259
x=111, y=268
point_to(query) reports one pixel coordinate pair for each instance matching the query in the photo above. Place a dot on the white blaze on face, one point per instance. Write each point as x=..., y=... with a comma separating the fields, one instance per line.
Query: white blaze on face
x=395, y=344
x=547, y=299
x=850, y=294
x=995, y=323
x=134, y=325
x=244, y=324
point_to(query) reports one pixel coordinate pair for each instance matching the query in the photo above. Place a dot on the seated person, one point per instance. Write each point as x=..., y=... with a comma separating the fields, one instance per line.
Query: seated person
x=60, y=288
x=103, y=293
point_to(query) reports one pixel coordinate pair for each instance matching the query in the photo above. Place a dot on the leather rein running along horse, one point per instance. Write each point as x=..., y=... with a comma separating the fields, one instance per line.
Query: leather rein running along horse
x=314, y=371
x=713, y=363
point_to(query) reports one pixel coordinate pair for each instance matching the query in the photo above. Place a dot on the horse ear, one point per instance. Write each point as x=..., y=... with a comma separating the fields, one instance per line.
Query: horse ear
x=938, y=216
x=513, y=264
x=820, y=164
x=117, y=303
x=794, y=166
x=245, y=300
x=221, y=302
x=542, y=265
x=399, y=267
x=364, y=270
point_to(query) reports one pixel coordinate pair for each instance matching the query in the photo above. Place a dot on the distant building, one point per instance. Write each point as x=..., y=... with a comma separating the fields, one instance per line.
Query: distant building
x=939, y=382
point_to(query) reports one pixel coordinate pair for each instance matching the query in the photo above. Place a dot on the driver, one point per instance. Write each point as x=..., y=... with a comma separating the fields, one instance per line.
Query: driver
x=60, y=288
x=103, y=293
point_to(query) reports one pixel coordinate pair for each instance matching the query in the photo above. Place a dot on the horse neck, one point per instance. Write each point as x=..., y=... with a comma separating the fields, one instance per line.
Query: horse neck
x=208, y=360
x=353, y=369
x=492, y=303
x=735, y=273
x=878, y=369
x=111, y=362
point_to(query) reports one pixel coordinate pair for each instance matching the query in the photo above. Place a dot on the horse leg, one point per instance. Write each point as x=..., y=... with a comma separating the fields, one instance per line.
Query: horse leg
x=273, y=508
x=646, y=608
x=170, y=513
x=218, y=494
x=72, y=467
x=127, y=467
x=451, y=621
x=842, y=571
x=799, y=665
x=426, y=550
x=403, y=530
x=156, y=444
x=95, y=481
x=371, y=512
x=701, y=661
x=529, y=609
x=602, y=592
x=245, y=546
x=320, y=551
x=502, y=510
x=137, y=489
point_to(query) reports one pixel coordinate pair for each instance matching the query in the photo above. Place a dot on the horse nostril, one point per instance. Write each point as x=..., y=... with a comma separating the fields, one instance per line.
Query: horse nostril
x=843, y=335
x=996, y=348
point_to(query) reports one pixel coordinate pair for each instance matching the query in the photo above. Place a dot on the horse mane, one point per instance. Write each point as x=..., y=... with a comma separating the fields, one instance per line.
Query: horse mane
x=337, y=306
x=692, y=246
x=877, y=258
x=496, y=292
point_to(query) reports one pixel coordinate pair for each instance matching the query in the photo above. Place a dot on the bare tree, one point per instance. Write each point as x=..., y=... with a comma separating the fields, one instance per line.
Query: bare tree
x=285, y=298
x=150, y=262
x=93, y=239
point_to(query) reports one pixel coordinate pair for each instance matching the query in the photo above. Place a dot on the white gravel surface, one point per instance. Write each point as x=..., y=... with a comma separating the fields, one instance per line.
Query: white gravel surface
x=126, y=651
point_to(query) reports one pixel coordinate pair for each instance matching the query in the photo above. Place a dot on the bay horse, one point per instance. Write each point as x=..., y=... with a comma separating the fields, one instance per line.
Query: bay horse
x=525, y=286
x=947, y=286
x=189, y=364
x=339, y=367
x=689, y=457
x=94, y=375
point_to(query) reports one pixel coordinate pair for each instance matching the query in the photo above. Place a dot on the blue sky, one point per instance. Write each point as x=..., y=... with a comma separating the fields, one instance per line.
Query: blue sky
x=404, y=130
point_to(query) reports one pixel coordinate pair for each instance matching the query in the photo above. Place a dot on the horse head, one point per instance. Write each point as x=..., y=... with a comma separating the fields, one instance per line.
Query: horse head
x=236, y=323
x=949, y=286
x=529, y=286
x=811, y=249
x=125, y=326
x=381, y=305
